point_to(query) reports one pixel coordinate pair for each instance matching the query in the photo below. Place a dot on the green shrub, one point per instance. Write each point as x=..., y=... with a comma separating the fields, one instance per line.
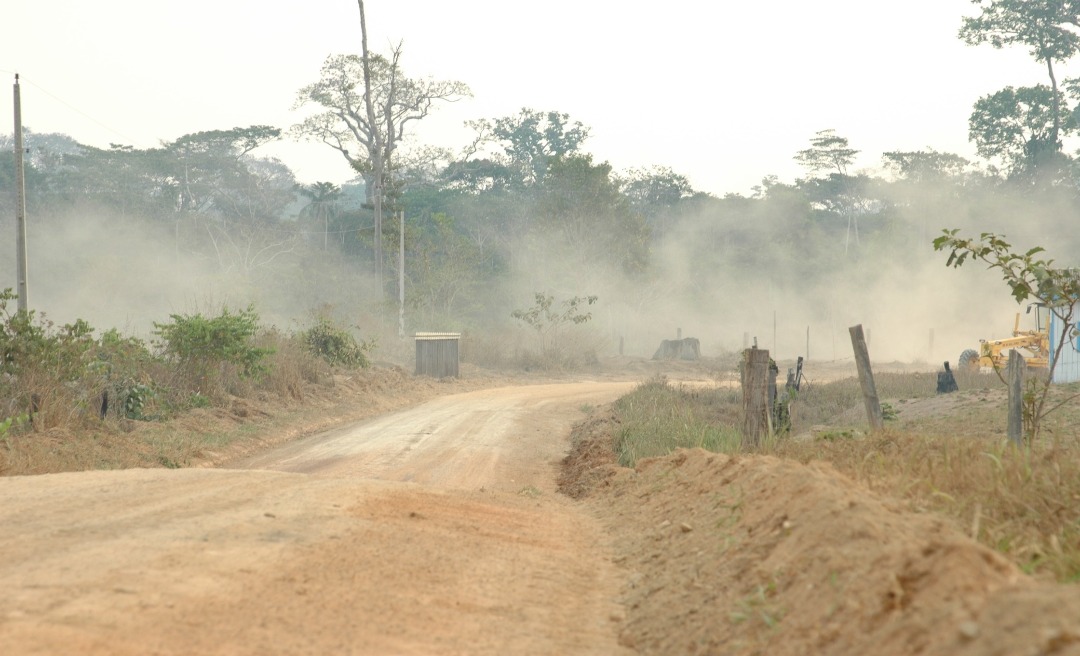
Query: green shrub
x=336, y=345
x=203, y=347
x=31, y=343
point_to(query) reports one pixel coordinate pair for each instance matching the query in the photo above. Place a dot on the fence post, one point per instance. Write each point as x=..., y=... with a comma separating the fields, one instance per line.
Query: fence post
x=755, y=387
x=1015, y=378
x=866, y=378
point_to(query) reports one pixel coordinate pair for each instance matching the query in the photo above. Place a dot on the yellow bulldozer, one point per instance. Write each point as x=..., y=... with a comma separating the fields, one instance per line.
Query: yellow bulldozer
x=1034, y=345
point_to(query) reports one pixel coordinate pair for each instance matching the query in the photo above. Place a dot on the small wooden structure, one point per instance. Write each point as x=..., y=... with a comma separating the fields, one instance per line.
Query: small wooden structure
x=437, y=354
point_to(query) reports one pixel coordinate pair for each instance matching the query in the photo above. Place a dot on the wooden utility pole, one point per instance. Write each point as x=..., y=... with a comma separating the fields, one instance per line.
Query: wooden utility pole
x=866, y=378
x=401, y=275
x=20, y=205
x=376, y=153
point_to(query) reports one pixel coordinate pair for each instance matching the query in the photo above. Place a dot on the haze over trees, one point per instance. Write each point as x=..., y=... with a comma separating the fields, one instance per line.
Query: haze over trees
x=524, y=208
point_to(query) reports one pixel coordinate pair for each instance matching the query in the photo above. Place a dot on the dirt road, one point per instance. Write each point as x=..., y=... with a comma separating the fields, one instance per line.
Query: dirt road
x=431, y=531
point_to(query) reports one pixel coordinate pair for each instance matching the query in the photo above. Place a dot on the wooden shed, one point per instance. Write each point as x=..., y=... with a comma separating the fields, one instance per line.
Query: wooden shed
x=437, y=354
x=1068, y=366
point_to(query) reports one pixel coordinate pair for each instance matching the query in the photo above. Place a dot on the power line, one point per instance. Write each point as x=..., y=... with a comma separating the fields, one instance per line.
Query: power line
x=70, y=106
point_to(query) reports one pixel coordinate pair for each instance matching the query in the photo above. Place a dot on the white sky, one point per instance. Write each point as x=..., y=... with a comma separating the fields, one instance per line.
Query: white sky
x=723, y=92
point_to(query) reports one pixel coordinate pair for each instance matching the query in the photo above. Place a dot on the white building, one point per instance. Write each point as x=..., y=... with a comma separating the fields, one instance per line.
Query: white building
x=1068, y=366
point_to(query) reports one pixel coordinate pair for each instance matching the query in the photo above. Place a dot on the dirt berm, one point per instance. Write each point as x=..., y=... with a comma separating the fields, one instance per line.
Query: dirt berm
x=757, y=555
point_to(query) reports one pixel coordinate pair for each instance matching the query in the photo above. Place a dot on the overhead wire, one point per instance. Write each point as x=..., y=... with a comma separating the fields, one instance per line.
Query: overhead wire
x=23, y=78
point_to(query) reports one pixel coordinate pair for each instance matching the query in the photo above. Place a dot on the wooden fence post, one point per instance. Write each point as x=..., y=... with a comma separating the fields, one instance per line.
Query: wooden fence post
x=1014, y=374
x=755, y=386
x=866, y=378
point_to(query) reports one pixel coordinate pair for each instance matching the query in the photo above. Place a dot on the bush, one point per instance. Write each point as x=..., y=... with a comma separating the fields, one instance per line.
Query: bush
x=205, y=348
x=28, y=343
x=336, y=345
x=44, y=370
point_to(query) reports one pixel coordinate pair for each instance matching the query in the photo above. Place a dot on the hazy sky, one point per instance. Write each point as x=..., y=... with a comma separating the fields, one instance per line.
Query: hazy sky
x=722, y=92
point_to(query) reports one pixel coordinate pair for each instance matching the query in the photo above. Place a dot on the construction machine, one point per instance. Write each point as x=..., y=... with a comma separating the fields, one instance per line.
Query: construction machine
x=1034, y=345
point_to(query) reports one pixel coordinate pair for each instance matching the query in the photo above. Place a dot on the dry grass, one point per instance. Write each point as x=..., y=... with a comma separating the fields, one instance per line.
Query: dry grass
x=657, y=418
x=951, y=459
x=1024, y=503
x=291, y=365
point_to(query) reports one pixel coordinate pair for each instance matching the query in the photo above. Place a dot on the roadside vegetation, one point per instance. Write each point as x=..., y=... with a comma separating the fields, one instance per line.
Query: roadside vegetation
x=72, y=399
x=943, y=454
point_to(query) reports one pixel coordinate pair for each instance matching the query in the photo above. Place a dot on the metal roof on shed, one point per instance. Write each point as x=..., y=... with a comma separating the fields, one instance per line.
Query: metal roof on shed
x=433, y=336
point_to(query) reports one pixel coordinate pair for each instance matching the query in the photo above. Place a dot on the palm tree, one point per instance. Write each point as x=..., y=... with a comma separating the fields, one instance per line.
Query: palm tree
x=324, y=202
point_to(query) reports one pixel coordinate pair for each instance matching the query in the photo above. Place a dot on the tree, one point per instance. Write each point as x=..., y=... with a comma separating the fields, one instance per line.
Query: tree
x=547, y=321
x=518, y=149
x=1028, y=276
x=368, y=105
x=446, y=269
x=921, y=166
x=828, y=152
x=836, y=191
x=212, y=165
x=926, y=178
x=579, y=204
x=1038, y=24
x=324, y=199
x=1019, y=127
x=845, y=196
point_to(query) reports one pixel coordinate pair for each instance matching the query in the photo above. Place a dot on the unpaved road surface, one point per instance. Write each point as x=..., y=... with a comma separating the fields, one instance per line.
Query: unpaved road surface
x=431, y=531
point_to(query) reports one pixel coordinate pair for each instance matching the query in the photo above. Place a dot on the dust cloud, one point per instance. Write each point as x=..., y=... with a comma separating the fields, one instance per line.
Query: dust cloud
x=731, y=273
x=736, y=273
x=128, y=273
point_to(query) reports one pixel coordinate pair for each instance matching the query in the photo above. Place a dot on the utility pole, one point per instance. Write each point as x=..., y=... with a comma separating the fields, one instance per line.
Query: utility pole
x=401, y=275
x=20, y=203
x=377, y=205
x=375, y=151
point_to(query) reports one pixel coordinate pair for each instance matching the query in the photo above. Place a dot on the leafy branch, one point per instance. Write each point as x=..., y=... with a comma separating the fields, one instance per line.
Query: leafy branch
x=1028, y=276
x=546, y=318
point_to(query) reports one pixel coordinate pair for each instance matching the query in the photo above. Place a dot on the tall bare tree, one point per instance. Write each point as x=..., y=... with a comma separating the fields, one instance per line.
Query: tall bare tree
x=368, y=104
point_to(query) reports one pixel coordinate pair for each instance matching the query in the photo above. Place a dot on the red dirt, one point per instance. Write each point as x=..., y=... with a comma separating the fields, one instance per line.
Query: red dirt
x=756, y=555
x=438, y=530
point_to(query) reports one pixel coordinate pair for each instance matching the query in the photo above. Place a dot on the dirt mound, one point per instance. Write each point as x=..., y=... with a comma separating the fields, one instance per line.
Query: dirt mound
x=753, y=554
x=591, y=458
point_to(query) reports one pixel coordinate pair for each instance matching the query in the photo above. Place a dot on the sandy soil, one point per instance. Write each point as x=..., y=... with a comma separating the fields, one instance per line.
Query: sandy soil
x=441, y=530
x=435, y=530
